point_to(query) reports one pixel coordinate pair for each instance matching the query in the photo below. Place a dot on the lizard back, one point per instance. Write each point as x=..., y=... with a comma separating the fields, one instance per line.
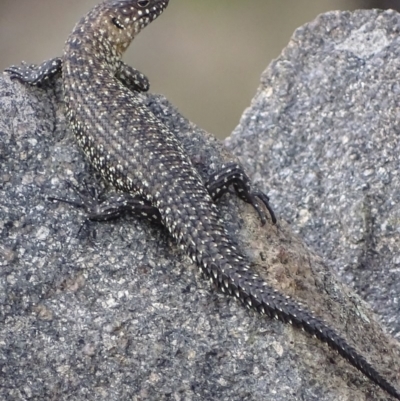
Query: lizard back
x=136, y=153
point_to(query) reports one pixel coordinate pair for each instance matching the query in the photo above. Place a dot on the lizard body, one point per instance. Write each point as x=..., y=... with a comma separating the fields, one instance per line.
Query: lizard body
x=137, y=154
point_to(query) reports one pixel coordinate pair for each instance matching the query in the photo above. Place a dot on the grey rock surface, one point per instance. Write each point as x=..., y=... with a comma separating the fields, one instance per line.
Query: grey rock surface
x=125, y=316
x=324, y=134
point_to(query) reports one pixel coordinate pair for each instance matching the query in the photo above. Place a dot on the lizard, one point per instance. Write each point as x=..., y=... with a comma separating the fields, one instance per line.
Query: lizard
x=140, y=156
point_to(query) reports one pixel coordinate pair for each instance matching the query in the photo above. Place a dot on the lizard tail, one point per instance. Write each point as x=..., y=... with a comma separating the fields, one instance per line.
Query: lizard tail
x=254, y=293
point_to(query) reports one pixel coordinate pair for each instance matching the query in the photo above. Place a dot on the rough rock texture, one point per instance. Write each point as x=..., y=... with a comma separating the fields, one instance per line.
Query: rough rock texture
x=324, y=131
x=125, y=316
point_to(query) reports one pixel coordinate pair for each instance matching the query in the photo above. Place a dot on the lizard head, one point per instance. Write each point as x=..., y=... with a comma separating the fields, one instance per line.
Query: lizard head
x=109, y=28
x=128, y=17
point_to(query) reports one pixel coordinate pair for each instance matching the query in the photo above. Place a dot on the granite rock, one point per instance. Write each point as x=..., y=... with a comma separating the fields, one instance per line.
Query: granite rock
x=114, y=311
x=323, y=132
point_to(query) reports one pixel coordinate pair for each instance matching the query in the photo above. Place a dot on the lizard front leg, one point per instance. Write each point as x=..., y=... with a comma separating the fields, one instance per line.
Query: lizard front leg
x=233, y=174
x=38, y=75
x=132, y=78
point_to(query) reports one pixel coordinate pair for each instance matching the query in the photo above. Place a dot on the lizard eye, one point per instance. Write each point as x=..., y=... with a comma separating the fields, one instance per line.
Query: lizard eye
x=117, y=23
x=143, y=3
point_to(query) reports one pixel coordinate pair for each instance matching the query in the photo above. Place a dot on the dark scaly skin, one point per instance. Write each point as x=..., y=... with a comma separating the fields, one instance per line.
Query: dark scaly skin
x=136, y=153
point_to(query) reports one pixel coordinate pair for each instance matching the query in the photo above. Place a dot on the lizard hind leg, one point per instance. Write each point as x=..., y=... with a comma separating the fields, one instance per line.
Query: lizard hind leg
x=233, y=174
x=112, y=206
x=36, y=75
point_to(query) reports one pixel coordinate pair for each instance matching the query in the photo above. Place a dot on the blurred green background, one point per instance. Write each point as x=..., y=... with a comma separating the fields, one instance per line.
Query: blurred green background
x=206, y=56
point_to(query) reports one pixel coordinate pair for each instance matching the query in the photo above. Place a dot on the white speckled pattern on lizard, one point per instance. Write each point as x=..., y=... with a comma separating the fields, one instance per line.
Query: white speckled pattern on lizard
x=136, y=153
